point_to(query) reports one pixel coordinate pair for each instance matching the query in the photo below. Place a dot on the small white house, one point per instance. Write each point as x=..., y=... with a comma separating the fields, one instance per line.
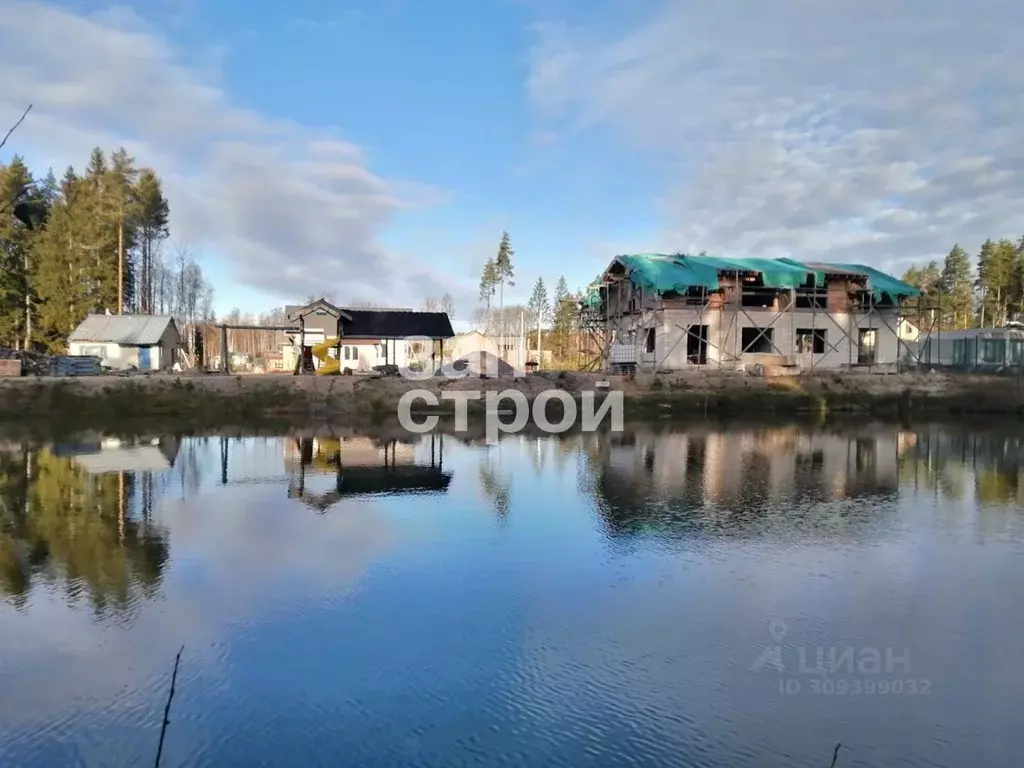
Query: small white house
x=145, y=342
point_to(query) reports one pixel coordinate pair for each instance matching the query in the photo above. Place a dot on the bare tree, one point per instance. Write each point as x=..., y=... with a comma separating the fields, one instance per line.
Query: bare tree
x=183, y=291
x=448, y=306
x=445, y=304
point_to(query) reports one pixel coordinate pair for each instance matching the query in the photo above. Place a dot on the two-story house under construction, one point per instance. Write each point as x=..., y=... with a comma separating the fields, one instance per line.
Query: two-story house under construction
x=664, y=312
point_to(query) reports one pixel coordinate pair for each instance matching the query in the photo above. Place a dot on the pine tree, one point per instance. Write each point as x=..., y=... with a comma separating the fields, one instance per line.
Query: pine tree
x=63, y=295
x=68, y=183
x=956, y=284
x=561, y=305
x=16, y=223
x=49, y=188
x=488, y=284
x=95, y=210
x=153, y=217
x=97, y=167
x=539, y=308
x=121, y=200
x=503, y=268
x=997, y=264
x=504, y=273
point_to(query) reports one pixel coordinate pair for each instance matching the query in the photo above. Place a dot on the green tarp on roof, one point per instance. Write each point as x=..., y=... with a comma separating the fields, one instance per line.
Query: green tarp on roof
x=879, y=282
x=662, y=273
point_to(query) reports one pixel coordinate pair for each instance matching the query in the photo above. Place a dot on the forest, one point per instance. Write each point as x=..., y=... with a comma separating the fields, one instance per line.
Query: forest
x=92, y=241
x=971, y=292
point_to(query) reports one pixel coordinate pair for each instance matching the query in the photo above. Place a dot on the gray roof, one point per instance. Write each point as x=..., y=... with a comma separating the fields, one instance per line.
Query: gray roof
x=130, y=330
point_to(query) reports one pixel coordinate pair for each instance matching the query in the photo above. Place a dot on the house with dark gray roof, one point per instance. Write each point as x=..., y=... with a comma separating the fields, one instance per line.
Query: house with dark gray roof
x=145, y=342
x=363, y=339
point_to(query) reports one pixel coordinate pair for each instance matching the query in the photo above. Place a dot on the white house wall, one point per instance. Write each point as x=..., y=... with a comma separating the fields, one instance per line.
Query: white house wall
x=725, y=333
x=162, y=357
x=111, y=354
x=364, y=357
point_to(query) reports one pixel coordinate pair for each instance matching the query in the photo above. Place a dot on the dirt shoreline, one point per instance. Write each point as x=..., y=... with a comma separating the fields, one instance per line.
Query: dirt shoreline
x=219, y=400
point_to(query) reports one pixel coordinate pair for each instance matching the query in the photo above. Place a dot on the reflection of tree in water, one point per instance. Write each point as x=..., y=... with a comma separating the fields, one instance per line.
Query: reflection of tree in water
x=495, y=486
x=62, y=525
x=944, y=460
x=955, y=464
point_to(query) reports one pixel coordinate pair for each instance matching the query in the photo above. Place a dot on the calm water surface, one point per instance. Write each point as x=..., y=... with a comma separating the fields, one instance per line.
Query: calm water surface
x=694, y=596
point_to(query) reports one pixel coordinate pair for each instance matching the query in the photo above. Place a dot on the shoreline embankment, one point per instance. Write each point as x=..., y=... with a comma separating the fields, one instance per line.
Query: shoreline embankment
x=212, y=400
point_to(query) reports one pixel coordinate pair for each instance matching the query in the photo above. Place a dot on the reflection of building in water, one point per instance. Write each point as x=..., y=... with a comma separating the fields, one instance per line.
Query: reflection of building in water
x=135, y=462
x=722, y=466
x=736, y=481
x=321, y=454
x=362, y=466
x=116, y=455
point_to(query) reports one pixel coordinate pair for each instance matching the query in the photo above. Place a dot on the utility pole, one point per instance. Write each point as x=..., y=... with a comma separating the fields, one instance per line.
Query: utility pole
x=28, y=304
x=120, y=264
x=522, y=340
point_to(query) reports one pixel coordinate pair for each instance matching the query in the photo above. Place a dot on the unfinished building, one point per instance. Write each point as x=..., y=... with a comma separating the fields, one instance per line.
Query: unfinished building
x=662, y=312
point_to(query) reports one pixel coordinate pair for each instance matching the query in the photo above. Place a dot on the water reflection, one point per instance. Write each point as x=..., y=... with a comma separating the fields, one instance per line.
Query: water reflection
x=79, y=518
x=361, y=466
x=737, y=482
x=962, y=463
x=581, y=599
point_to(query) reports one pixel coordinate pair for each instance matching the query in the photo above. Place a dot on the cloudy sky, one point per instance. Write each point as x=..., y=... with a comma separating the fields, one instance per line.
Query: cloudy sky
x=377, y=149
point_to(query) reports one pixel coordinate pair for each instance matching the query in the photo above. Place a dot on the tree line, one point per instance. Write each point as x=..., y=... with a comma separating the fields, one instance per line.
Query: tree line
x=557, y=313
x=91, y=242
x=968, y=291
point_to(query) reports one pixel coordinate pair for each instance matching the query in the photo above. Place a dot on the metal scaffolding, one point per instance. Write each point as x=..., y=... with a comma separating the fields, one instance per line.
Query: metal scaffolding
x=617, y=312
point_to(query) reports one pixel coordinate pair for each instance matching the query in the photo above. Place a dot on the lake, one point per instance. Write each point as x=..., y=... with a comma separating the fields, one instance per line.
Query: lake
x=689, y=595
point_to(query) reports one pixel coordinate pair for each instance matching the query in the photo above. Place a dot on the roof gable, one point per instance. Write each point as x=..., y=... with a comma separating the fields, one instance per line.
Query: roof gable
x=320, y=305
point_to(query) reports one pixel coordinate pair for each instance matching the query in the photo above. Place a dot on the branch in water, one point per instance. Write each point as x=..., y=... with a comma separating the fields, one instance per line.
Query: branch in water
x=167, y=709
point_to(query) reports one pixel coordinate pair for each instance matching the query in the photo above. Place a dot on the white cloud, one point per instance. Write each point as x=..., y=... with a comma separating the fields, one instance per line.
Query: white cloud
x=294, y=211
x=849, y=130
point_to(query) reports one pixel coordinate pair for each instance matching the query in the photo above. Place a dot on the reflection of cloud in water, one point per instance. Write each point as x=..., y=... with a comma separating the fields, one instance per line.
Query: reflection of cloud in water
x=238, y=558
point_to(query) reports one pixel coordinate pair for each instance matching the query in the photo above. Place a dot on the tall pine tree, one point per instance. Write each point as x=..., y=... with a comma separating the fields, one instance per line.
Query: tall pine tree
x=956, y=284
x=16, y=235
x=153, y=219
x=539, y=309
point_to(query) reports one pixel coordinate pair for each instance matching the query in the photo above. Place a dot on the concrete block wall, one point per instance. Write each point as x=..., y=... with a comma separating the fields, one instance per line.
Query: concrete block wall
x=725, y=334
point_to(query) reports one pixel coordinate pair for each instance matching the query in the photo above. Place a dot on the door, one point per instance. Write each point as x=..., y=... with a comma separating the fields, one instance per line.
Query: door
x=697, y=345
x=145, y=359
x=866, y=346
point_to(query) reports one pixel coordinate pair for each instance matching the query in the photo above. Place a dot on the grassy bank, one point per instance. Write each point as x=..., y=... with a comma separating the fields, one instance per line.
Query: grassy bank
x=213, y=400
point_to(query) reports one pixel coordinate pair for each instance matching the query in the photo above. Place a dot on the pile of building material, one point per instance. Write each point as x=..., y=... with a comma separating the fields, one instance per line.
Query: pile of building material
x=773, y=365
x=17, y=362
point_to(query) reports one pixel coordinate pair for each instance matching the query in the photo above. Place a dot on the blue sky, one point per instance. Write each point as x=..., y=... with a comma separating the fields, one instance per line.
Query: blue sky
x=376, y=150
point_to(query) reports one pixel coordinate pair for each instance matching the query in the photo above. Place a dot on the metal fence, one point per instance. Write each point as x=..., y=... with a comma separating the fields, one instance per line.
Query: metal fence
x=975, y=349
